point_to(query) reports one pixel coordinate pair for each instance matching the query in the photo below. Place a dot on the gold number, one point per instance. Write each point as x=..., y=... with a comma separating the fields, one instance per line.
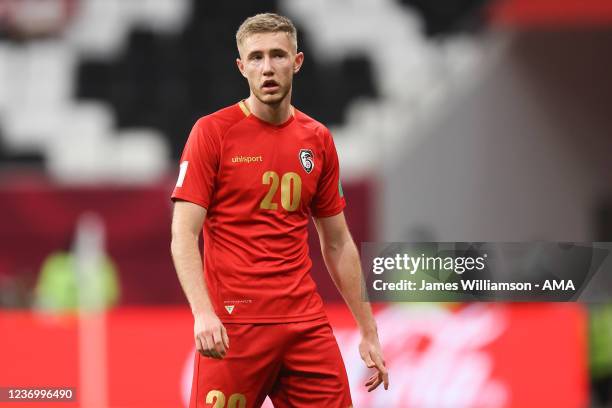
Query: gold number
x=217, y=397
x=290, y=197
x=236, y=401
x=286, y=196
x=269, y=177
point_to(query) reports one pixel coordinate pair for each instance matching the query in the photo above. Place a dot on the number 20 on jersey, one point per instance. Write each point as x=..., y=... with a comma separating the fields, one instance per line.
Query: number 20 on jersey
x=290, y=189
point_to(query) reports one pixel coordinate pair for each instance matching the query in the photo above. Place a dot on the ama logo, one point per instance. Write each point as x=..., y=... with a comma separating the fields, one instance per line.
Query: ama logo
x=307, y=160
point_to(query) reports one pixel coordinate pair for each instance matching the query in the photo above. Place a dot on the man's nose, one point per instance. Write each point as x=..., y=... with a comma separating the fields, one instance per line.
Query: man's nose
x=267, y=66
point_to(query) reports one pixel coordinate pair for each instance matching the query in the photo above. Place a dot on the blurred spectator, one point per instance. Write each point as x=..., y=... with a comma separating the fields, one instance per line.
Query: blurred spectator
x=600, y=322
x=26, y=19
x=57, y=287
x=83, y=278
x=600, y=353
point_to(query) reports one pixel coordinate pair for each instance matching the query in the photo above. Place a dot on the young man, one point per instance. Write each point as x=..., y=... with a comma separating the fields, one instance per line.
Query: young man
x=252, y=174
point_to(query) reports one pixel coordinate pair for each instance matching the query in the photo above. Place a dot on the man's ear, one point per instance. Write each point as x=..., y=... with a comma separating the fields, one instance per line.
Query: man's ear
x=299, y=60
x=240, y=66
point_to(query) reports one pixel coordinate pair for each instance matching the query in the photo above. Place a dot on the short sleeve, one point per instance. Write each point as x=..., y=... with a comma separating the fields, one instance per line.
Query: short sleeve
x=329, y=198
x=198, y=166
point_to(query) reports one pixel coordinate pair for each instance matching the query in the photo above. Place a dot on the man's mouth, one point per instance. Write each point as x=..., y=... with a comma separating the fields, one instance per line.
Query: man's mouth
x=270, y=84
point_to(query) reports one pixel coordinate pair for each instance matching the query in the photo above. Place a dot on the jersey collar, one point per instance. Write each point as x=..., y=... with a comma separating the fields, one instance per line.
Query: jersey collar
x=247, y=112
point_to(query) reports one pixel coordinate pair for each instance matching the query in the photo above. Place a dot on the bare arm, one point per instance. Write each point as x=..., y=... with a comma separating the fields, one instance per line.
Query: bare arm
x=342, y=261
x=210, y=334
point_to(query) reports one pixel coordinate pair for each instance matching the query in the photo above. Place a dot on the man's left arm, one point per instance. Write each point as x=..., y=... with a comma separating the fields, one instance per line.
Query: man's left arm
x=342, y=261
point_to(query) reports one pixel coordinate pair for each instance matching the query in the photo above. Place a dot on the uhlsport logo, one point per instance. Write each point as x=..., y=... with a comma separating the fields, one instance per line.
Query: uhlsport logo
x=247, y=159
x=229, y=309
x=307, y=160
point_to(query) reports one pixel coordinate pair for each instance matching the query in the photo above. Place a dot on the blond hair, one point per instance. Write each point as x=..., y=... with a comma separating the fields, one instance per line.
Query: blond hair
x=266, y=23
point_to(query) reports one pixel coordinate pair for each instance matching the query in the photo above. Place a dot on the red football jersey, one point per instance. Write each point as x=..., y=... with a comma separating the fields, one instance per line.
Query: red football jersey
x=260, y=183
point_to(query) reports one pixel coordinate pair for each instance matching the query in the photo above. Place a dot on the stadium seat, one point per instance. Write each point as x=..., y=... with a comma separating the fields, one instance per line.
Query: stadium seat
x=161, y=64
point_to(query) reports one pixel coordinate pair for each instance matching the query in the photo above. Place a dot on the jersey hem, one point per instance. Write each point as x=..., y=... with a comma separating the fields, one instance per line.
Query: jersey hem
x=273, y=319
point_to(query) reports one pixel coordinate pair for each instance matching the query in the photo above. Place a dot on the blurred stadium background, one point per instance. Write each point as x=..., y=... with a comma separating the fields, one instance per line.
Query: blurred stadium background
x=455, y=120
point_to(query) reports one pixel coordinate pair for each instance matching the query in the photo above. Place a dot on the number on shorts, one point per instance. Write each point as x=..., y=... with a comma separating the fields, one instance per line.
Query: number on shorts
x=217, y=398
x=236, y=401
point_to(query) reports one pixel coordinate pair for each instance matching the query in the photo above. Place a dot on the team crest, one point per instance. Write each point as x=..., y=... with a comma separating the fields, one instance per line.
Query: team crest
x=307, y=160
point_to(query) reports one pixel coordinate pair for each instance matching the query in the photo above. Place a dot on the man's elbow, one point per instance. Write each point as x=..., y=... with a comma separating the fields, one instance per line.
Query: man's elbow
x=174, y=246
x=179, y=240
x=337, y=245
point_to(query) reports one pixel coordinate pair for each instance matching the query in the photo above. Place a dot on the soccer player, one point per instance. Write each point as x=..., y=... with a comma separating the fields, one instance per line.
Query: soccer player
x=251, y=175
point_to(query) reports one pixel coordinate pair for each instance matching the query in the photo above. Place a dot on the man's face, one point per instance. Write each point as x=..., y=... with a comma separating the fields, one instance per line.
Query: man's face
x=268, y=61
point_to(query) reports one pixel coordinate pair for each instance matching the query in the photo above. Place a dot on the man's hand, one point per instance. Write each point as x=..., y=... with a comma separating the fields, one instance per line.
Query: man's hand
x=210, y=336
x=371, y=354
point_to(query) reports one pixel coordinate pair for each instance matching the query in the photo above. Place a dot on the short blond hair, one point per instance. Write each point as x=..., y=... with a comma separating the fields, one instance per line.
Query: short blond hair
x=266, y=23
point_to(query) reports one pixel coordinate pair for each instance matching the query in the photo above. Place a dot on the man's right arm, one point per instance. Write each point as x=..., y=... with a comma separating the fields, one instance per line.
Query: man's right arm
x=209, y=333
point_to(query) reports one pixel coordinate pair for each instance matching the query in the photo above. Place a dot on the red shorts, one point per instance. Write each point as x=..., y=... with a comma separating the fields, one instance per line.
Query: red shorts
x=295, y=364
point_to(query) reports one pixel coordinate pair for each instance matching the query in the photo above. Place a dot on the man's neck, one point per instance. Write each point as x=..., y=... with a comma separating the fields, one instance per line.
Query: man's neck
x=276, y=114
